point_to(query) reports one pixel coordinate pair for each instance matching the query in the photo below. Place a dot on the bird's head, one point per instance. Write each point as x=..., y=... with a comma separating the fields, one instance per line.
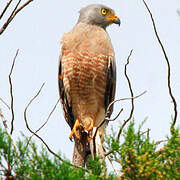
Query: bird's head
x=98, y=14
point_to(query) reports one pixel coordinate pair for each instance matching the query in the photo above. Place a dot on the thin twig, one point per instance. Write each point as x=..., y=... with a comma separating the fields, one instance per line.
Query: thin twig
x=109, y=106
x=48, y=116
x=2, y=166
x=105, y=120
x=108, y=119
x=159, y=151
x=168, y=64
x=11, y=93
x=21, y=7
x=132, y=100
x=43, y=123
x=13, y=14
x=159, y=142
x=110, y=160
x=111, y=151
x=124, y=99
x=9, y=18
x=5, y=103
x=27, y=125
x=6, y=7
x=147, y=131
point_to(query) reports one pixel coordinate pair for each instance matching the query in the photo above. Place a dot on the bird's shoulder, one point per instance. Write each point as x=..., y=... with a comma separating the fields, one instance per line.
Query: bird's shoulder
x=84, y=36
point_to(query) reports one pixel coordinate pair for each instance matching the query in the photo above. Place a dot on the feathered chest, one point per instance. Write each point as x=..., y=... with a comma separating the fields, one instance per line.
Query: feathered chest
x=85, y=56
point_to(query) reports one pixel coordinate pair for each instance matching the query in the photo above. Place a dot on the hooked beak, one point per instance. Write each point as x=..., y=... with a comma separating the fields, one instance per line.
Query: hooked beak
x=116, y=20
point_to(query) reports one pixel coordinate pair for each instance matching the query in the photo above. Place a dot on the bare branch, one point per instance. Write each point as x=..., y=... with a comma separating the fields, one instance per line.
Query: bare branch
x=23, y=6
x=109, y=152
x=105, y=119
x=11, y=93
x=5, y=103
x=111, y=162
x=159, y=151
x=9, y=19
x=159, y=142
x=132, y=100
x=27, y=125
x=49, y=116
x=109, y=106
x=123, y=99
x=6, y=7
x=44, y=122
x=13, y=14
x=147, y=131
x=167, y=61
x=108, y=119
x=2, y=166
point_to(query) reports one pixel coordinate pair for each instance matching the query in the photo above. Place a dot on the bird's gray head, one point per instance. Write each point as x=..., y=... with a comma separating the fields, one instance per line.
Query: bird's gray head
x=98, y=14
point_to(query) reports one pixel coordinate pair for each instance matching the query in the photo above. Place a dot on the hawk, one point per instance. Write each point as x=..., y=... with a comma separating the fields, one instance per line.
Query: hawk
x=87, y=70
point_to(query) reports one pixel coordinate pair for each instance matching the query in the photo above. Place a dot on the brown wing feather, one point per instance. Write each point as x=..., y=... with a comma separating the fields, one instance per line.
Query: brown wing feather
x=67, y=107
x=110, y=84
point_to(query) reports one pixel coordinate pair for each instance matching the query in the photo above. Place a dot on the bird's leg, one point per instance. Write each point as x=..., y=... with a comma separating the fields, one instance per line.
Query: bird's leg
x=74, y=131
x=100, y=133
x=89, y=130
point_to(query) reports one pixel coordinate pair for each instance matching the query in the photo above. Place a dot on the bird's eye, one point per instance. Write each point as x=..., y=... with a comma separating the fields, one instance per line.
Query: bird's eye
x=103, y=11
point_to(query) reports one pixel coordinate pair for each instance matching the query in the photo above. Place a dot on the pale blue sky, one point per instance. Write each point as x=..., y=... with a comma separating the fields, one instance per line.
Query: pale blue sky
x=37, y=31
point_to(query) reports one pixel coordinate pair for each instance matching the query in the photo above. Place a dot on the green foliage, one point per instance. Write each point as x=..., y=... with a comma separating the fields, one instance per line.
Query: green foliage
x=27, y=162
x=6, y=148
x=137, y=156
x=95, y=163
x=140, y=159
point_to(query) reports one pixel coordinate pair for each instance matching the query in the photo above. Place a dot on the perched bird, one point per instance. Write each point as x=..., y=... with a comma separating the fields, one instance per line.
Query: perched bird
x=87, y=70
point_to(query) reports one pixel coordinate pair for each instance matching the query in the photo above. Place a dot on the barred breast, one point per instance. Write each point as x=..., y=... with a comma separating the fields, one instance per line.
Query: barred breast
x=84, y=68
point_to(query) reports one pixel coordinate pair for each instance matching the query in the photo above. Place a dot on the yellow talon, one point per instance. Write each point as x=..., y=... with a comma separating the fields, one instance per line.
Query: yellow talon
x=74, y=131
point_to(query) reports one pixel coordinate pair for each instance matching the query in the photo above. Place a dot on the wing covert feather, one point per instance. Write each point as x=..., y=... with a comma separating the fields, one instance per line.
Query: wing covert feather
x=110, y=84
x=67, y=107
